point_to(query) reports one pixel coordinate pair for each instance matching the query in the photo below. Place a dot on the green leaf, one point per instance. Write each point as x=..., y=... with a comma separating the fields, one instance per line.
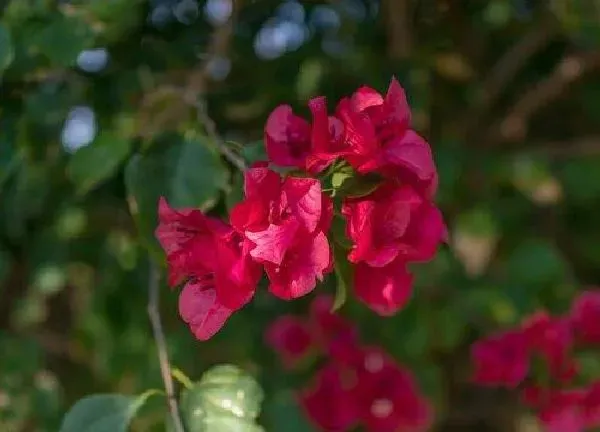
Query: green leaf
x=338, y=232
x=534, y=270
x=104, y=412
x=187, y=172
x=344, y=276
x=236, y=193
x=254, y=152
x=581, y=179
x=478, y=221
x=450, y=326
x=5, y=263
x=536, y=262
x=338, y=178
x=7, y=52
x=96, y=162
x=63, y=39
x=225, y=400
x=352, y=185
x=282, y=413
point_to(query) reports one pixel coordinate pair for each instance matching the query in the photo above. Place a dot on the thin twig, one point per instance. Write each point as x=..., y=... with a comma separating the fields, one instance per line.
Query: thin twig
x=191, y=93
x=161, y=346
x=514, y=126
x=198, y=82
x=211, y=130
x=582, y=146
x=397, y=15
x=504, y=71
x=513, y=60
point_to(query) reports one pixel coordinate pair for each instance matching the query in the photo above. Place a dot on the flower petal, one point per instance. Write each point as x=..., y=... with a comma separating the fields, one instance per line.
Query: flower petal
x=199, y=308
x=287, y=137
x=273, y=242
x=385, y=290
x=297, y=275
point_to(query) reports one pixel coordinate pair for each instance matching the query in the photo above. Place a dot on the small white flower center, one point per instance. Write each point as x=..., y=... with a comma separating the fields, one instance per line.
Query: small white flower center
x=374, y=363
x=382, y=408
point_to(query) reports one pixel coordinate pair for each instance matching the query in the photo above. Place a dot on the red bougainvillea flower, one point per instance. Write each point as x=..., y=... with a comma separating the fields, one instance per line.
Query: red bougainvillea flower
x=388, y=396
x=292, y=338
x=292, y=142
x=378, y=134
x=501, y=360
x=329, y=401
x=187, y=237
x=565, y=410
x=333, y=333
x=560, y=411
x=200, y=309
x=393, y=221
x=216, y=261
x=286, y=221
x=385, y=290
x=551, y=339
x=585, y=317
x=384, y=393
x=590, y=406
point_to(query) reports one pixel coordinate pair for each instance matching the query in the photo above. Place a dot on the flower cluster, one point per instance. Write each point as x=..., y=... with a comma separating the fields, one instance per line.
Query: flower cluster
x=357, y=384
x=382, y=177
x=540, y=359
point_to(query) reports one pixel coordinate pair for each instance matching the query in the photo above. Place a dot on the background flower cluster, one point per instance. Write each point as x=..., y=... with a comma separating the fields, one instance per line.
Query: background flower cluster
x=355, y=384
x=540, y=359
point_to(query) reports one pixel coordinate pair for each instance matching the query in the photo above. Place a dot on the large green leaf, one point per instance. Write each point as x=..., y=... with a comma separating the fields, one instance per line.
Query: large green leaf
x=103, y=413
x=186, y=172
x=7, y=52
x=225, y=400
x=63, y=39
x=94, y=163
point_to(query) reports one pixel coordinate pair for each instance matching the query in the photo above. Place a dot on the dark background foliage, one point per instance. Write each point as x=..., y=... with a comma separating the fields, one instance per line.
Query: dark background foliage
x=99, y=116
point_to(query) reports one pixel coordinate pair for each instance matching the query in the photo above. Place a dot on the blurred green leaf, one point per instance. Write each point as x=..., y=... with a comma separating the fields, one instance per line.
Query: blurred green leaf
x=63, y=38
x=478, y=221
x=581, y=179
x=7, y=52
x=5, y=263
x=254, y=152
x=309, y=78
x=283, y=413
x=96, y=162
x=580, y=19
x=103, y=413
x=450, y=326
x=225, y=400
x=187, y=172
x=344, y=276
x=236, y=194
x=535, y=262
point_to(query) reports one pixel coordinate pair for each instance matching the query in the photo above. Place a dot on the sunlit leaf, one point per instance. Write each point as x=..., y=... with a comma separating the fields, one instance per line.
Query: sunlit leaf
x=225, y=400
